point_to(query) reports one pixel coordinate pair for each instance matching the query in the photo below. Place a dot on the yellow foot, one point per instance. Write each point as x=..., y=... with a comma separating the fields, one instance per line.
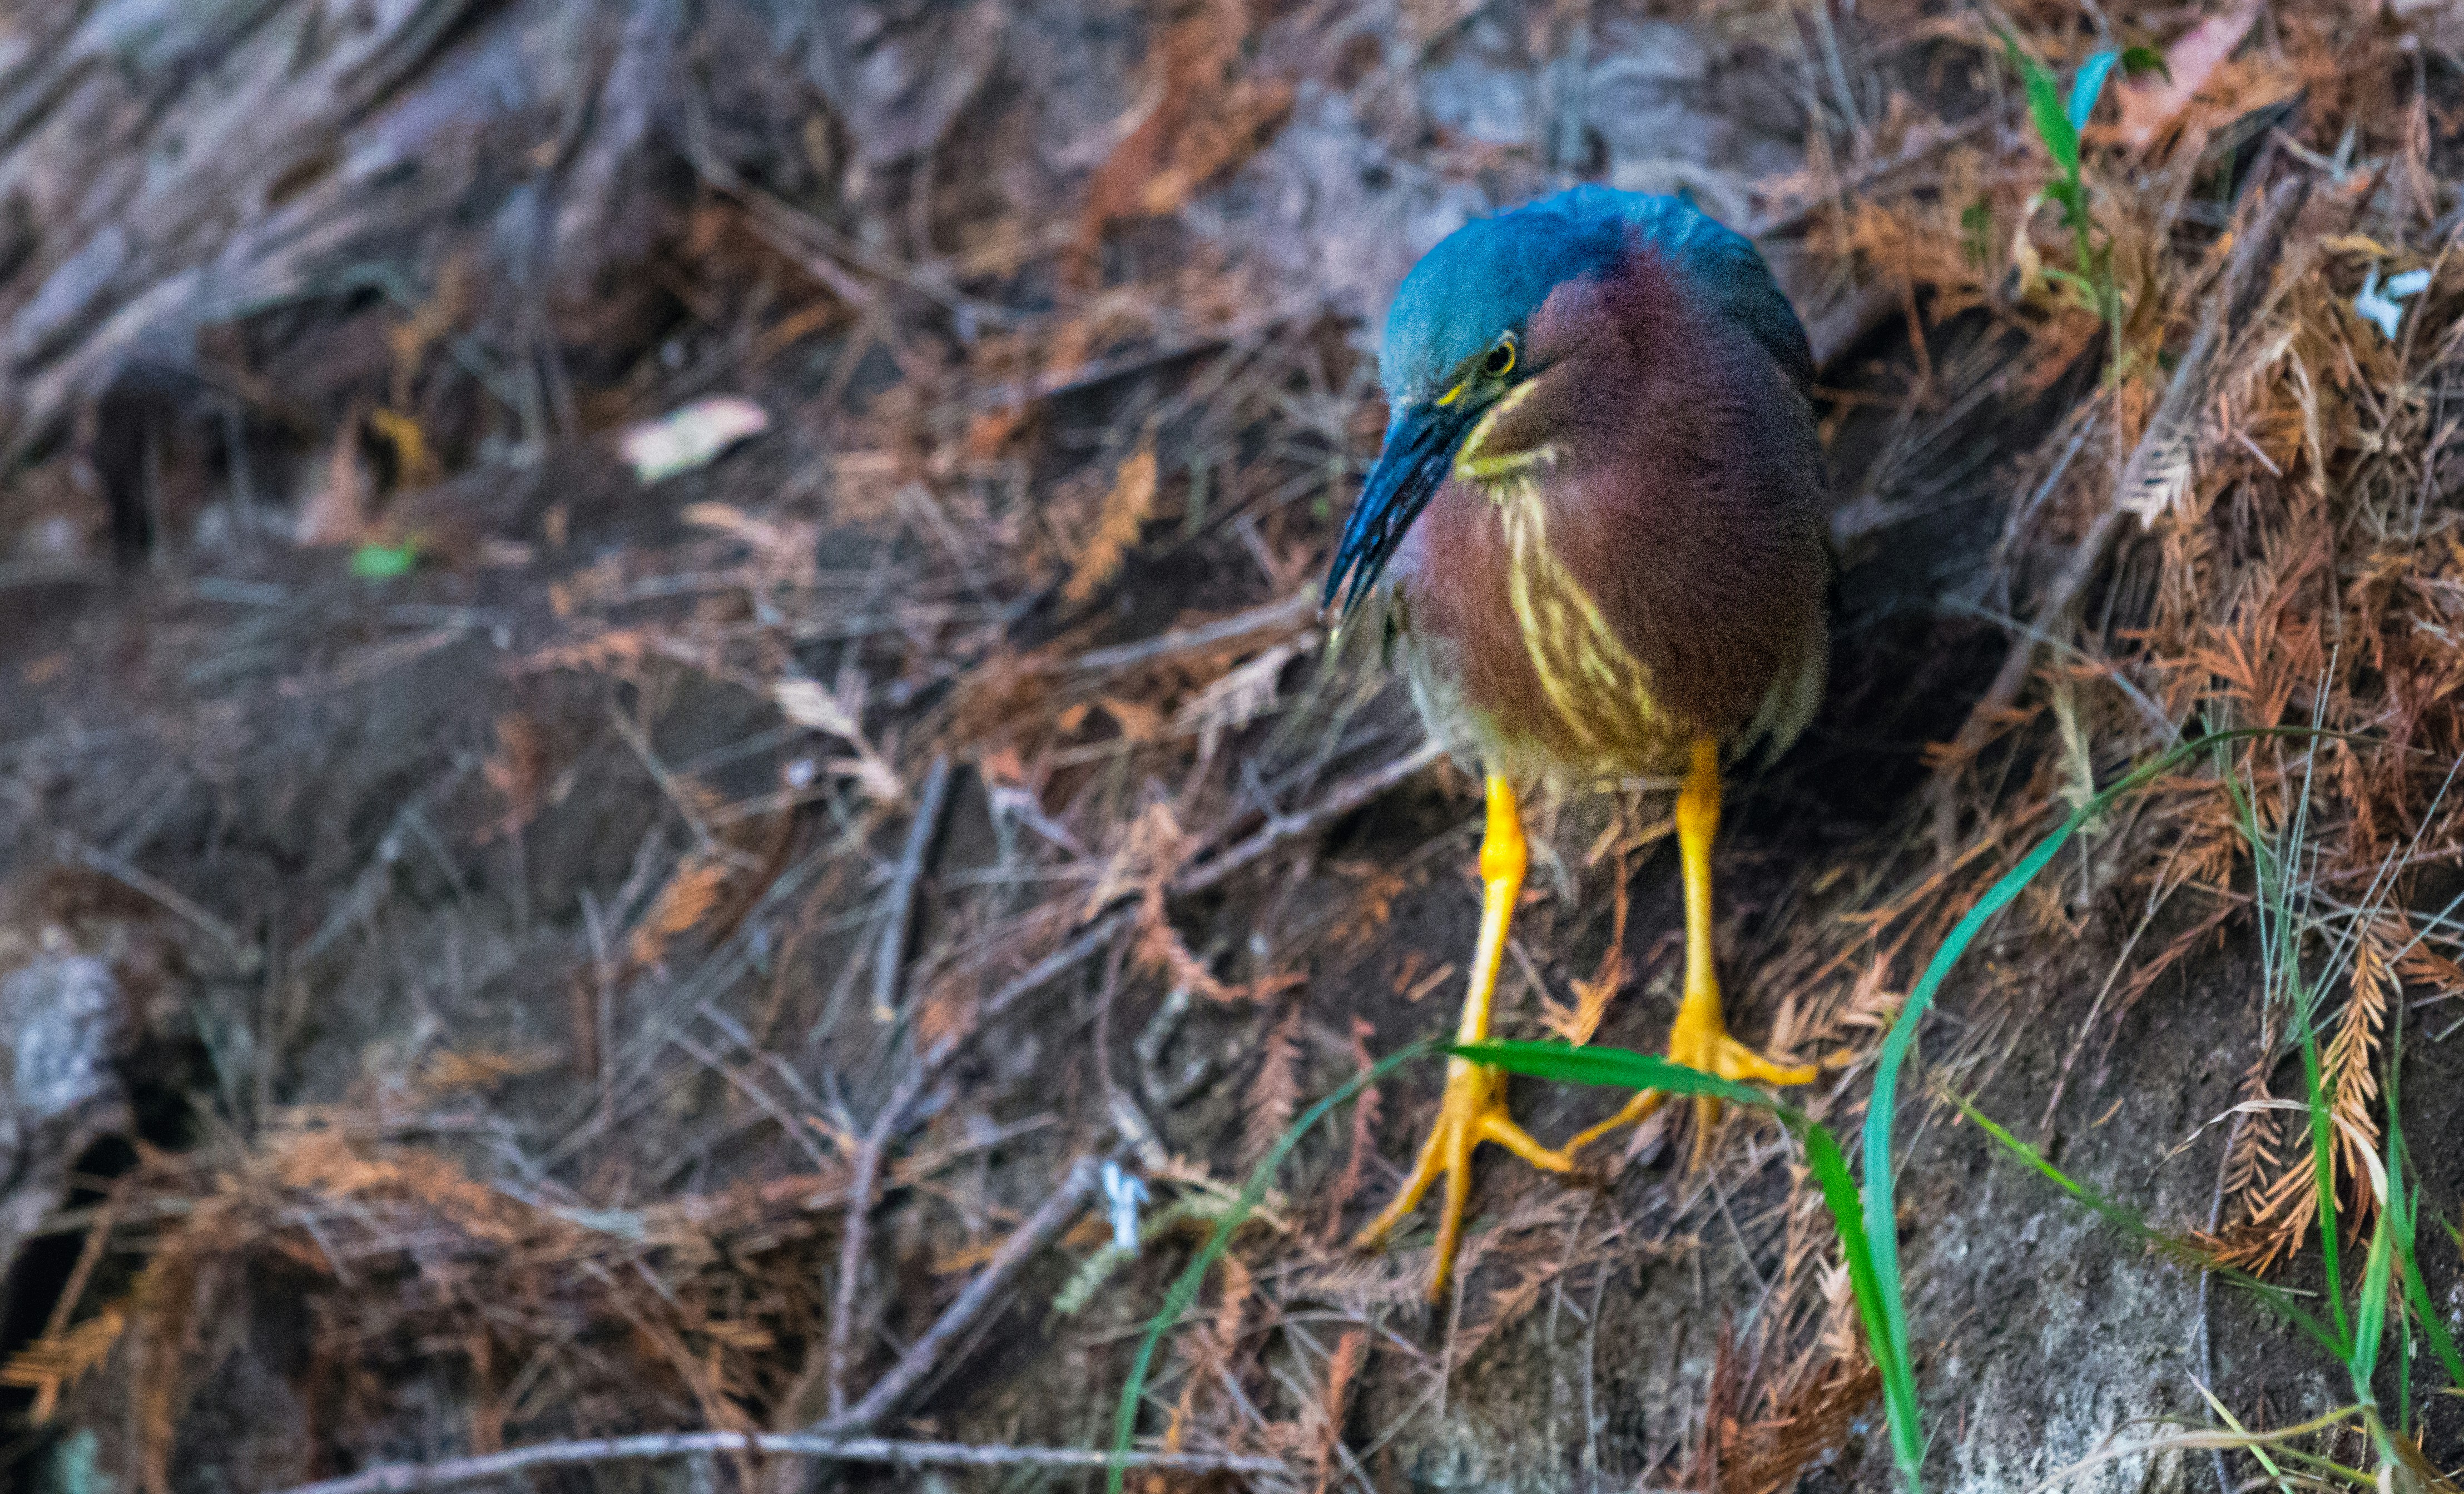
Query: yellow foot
x=1473, y=1111
x=1704, y=1044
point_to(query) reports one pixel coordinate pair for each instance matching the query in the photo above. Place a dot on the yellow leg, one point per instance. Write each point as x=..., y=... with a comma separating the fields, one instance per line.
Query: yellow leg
x=1701, y=1039
x=1474, y=1108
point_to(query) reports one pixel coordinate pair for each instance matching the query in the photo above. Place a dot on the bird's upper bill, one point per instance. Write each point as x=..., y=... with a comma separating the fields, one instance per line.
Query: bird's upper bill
x=1419, y=454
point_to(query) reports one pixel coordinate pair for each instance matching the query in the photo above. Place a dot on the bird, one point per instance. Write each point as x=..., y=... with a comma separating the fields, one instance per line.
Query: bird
x=1595, y=540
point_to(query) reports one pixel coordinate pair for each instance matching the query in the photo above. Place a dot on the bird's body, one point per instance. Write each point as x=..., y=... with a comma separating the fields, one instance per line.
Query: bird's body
x=1595, y=538
x=1586, y=625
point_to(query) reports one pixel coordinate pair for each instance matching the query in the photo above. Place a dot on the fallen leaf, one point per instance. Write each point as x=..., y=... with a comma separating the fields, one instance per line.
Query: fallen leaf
x=415, y=464
x=1138, y=723
x=691, y=892
x=518, y=773
x=383, y=561
x=805, y=702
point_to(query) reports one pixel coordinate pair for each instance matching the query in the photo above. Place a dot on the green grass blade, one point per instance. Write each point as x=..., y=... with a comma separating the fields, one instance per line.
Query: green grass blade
x=1881, y=1217
x=2403, y=1352
x=1883, y=1337
x=2120, y=1215
x=1185, y=1286
x=2045, y=109
x=2406, y=1204
x=1625, y=1070
x=1617, y=1067
x=2322, y=1183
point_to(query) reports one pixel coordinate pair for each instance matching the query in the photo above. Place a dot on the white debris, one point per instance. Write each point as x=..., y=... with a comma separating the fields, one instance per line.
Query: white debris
x=687, y=437
x=1123, y=1193
x=2384, y=305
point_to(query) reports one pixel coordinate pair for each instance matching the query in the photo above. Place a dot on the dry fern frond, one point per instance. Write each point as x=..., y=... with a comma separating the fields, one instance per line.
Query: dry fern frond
x=1577, y=1023
x=687, y=898
x=1364, y=1133
x=1275, y=1092
x=1126, y=509
x=51, y=1365
x=2350, y=1062
x=1342, y=1370
x=1241, y=695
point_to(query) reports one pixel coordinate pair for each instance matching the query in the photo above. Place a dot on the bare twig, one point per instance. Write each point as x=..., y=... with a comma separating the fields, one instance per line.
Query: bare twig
x=709, y=845
x=93, y=858
x=1340, y=801
x=1094, y=937
x=1291, y=612
x=863, y=1173
x=404, y=1478
x=1041, y=1227
x=898, y=913
x=864, y=1176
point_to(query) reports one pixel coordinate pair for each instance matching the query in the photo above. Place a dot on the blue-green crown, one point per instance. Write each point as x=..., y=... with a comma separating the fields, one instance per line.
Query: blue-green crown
x=1490, y=275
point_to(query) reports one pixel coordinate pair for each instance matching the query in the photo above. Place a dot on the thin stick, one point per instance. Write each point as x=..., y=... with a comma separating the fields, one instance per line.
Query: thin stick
x=93, y=858
x=404, y=1478
x=865, y=1172
x=709, y=845
x=1044, y=1225
x=1291, y=612
x=899, y=915
x=2184, y=396
x=1343, y=798
x=89, y=1256
x=863, y=1176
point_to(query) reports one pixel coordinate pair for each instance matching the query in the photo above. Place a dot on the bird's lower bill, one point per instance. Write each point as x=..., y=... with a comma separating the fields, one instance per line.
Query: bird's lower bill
x=1419, y=456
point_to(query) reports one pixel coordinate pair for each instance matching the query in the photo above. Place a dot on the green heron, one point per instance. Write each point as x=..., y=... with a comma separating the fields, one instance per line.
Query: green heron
x=1595, y=536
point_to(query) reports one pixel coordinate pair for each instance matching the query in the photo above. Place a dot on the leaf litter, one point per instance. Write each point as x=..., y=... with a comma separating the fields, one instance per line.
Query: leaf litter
x=1063, y=412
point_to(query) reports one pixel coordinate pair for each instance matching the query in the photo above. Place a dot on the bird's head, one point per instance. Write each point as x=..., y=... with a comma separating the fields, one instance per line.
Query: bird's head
x=1466, y=342
x=1458, y=348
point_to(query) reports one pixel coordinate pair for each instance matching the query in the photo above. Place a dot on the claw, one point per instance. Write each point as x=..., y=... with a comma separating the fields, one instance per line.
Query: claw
x=1473, y=1111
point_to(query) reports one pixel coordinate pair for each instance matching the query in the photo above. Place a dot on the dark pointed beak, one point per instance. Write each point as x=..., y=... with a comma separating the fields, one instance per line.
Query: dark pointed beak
x=1419, y=454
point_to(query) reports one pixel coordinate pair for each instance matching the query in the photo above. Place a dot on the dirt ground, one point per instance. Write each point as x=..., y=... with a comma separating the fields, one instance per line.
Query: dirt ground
x=499, y=951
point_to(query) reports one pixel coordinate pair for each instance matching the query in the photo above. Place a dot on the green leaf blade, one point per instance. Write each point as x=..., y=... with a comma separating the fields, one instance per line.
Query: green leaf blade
x=2143, y=59
x=2087, y=86
x=2045, y=109
x=385, y=562
x=2369, y=1313
x=1617, y=1067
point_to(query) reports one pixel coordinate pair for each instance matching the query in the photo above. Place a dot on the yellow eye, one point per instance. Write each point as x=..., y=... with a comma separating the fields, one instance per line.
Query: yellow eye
x=1500, y=361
